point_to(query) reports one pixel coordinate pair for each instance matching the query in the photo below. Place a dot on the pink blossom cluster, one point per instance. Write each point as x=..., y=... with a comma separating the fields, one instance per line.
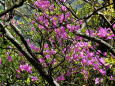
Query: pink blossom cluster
x=60, y=78
x=105, y=33
x=98, y=80
x=34, y=78
x=44, y=4
x=32, y=46
x=80, y=52
x=25, y=67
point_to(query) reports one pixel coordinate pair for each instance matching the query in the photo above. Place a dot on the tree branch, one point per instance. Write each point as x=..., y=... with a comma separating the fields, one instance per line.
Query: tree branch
x=18, y=32
x=13, y=7
x=35, y=63
x=95, y=11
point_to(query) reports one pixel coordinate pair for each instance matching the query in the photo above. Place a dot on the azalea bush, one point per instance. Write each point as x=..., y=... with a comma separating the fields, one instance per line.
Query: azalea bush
x=56, y=45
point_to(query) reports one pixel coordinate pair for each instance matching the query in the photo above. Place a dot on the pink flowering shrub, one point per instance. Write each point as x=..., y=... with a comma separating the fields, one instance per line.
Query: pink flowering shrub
x=63, y=55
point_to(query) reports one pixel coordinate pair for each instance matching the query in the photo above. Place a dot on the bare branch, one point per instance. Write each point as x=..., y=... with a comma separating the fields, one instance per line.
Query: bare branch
x=94, y=12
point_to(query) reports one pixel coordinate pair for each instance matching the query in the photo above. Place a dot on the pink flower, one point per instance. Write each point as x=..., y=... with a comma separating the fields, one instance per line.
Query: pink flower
x=77, y=27
x=85, y=73
x=68, y=57
x=33, y=29
x=26, y=67
x=96, y=66
x=40, y=18
x=9, y=58
x=102, y=71
x=28, y=40
x=112, y=78
x=47, y=56
x=60, y=78
x=33, y=47
x=97, y=81
x=0, y=61
x=103, y=32
x=44, y=4
x=63, y=0
x=90, y=32
x=68, y=26
x=36, y=49
x=64, y=35
x=90, y=54
x=41, y=60
x=82, y=44
x=7, y=53
x=68, y=73
x=90, y=62
x=114, y=26
x=84, y=61
x=46, y=46
x=33, y=22
x=111, y=36
x=63, y=8
x=41, y=27
x=18, y=70
x=61, y=18
x=52, y=51
x=62, y=29
x=67, y=15
x=101, y=80
x=52, y=7
x=34, y=78
x=71, y=27
x=75, y=57
x=102, y=60
x=81, y=22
